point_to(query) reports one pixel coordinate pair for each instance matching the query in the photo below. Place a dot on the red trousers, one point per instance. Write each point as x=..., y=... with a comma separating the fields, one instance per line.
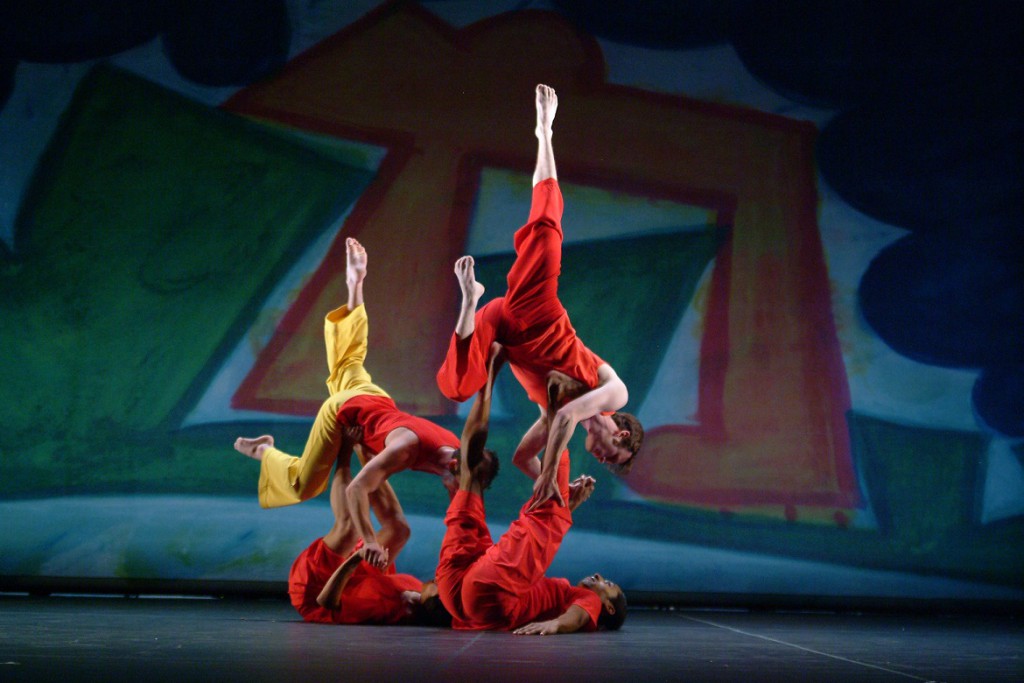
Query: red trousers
x=529, y=320
x=500, y=586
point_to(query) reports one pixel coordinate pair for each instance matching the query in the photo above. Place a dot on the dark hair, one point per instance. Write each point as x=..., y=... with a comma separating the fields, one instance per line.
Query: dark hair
x=487, y=469
x=613, y=622
x=631, y=443
x=432, y=612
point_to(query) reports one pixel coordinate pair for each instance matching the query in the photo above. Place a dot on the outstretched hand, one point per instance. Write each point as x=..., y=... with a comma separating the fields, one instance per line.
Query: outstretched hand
x=538, y=628
x=545, y=489
x=579, y=490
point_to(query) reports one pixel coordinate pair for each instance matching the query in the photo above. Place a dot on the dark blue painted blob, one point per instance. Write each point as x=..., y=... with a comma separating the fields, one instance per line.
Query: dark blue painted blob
x=932, y=163
x=658, y=24
x=845, y=52
x=818, y=53
x=7, y=69
x=998, y=398
x=56, y=31
x=226, y=42
x=954, y=301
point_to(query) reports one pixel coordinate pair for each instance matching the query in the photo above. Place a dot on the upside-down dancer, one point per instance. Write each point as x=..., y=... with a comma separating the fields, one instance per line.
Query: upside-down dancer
x=394, y=440
x=533, y=326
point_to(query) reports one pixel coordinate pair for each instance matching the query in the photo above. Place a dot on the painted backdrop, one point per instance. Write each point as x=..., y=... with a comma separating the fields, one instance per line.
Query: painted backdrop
x=794, y=230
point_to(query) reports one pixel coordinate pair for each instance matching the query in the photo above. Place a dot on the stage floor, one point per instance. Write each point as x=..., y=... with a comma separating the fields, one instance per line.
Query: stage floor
x=72, y=639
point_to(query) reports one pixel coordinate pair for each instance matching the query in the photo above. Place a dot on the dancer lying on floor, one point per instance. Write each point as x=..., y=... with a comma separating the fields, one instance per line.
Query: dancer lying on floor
x=502, y=586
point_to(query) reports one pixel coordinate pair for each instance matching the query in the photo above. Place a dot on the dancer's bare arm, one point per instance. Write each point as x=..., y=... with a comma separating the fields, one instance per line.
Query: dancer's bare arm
x=330, y=596
x=398, y=455
x=533, y=442
x=570, y=621
x=474, y=432
x=609, y=395
x=394, y=528
x=561, y=388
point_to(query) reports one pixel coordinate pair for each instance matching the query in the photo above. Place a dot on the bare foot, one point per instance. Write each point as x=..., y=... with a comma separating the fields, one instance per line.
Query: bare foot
x=579, y=490
x=547, y=103
x=254, y=448
x=355, y=266
x=466, y=274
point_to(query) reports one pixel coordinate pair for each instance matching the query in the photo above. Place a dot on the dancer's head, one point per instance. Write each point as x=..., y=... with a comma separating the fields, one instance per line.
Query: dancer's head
x=617, y=446
x=487, y=469
x=431, y=611
x=613, y=601
x=485, y=464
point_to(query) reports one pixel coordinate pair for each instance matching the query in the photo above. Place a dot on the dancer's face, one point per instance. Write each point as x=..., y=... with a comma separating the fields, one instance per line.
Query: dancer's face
x=605, y=447
x=605, y=589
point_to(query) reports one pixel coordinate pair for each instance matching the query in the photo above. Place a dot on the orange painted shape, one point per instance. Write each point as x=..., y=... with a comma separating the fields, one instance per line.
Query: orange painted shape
x=773, y=392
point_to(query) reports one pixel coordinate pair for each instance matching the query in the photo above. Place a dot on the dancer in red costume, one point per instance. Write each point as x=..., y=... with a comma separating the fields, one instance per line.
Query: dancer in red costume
x=330, y=582
x=533, y=326
x=394, y=440
x=502, y=586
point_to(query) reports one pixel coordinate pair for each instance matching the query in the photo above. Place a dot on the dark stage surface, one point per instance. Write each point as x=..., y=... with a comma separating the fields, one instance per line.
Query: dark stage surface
x=73, y=639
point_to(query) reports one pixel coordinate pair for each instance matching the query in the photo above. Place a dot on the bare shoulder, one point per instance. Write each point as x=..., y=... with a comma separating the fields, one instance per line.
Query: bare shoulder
x=606, y=373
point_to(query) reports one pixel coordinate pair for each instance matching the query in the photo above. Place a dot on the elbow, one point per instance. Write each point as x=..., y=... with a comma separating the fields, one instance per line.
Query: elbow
x=400, y=532
x=623, y=400
x=563, y=420
x=521, y=457
x=621, y=393
x=328, y=600
x=354, y=492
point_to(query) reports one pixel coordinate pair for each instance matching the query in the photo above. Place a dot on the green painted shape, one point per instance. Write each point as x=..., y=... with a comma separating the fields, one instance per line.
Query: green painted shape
x=922, y=484
x=152, y=232
x=625, y=298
